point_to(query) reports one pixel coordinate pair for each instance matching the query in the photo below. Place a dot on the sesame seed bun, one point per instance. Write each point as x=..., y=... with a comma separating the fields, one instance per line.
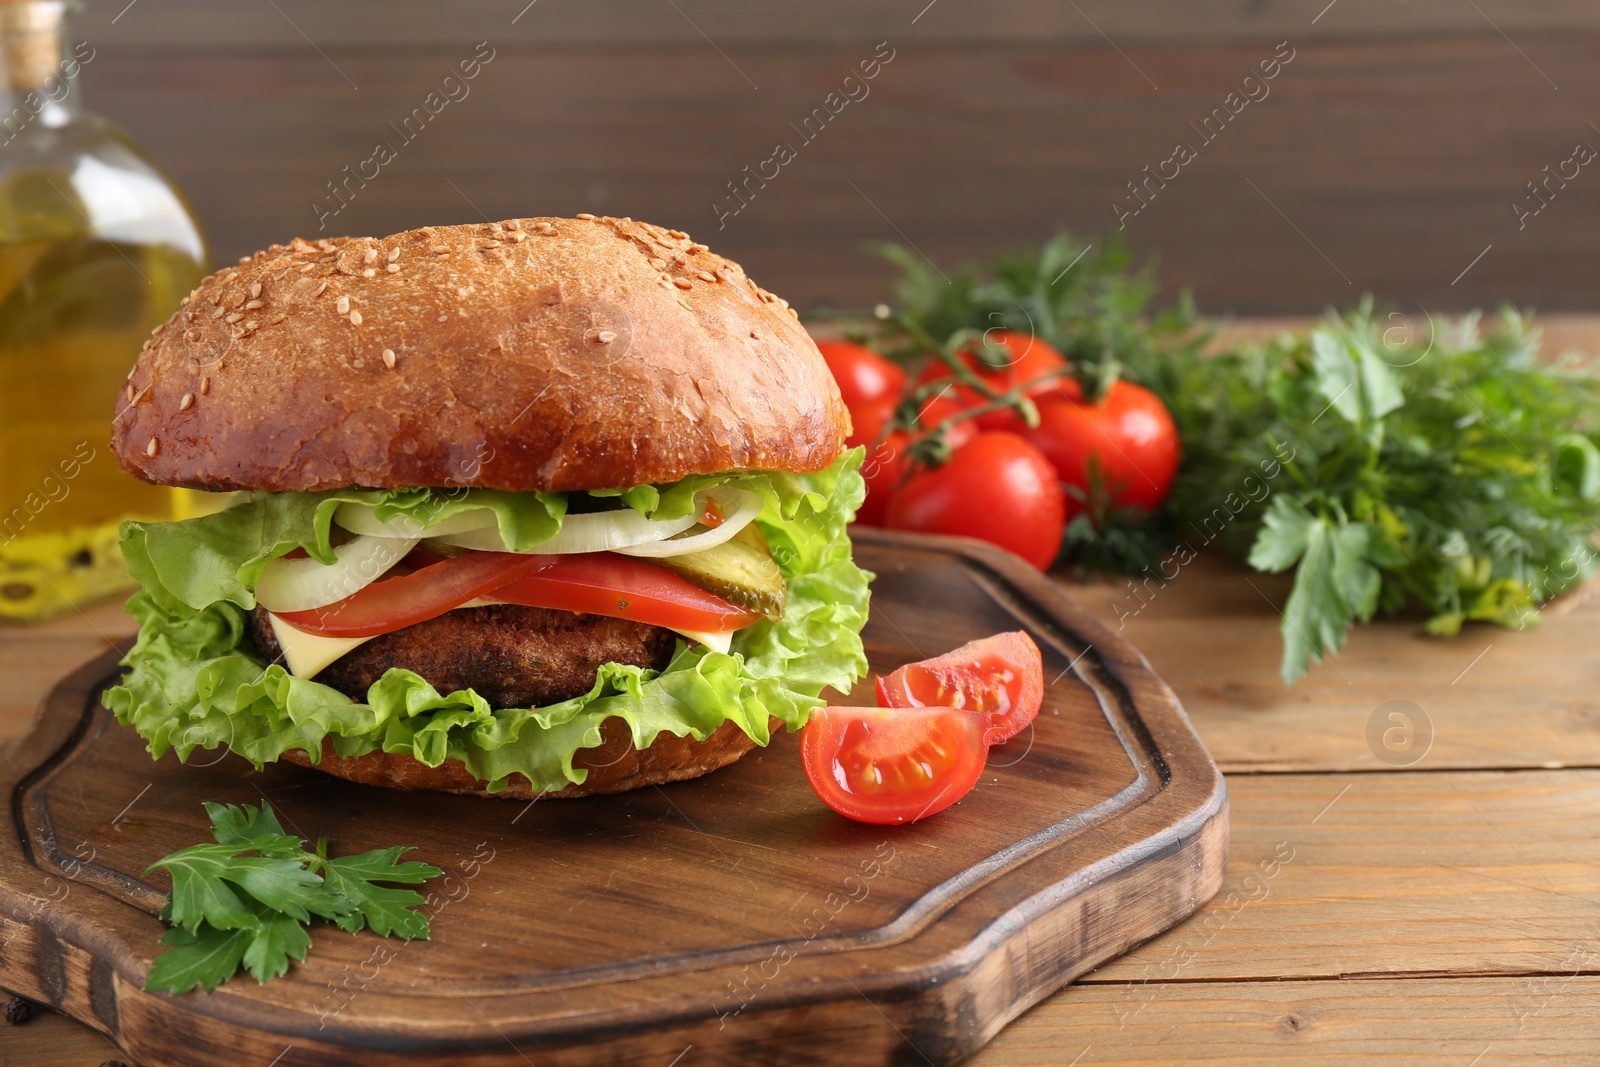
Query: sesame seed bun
x=614, y=766
x=530, y=355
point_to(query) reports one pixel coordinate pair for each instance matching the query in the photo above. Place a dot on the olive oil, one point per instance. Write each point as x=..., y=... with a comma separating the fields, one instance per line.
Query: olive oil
x=97, y=247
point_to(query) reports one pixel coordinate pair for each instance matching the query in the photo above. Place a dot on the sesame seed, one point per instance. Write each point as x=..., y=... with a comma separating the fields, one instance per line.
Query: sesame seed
x=130, y=391
x=250, y=324
x=658, y=263
x=705, y=276
x=721, y=274
x=355, y=318
x=369, y=272
x=679, y=234
x=255, y=289
x=394, y=254
x=205, y=386
x=187, y=402
x=388, y=357
x=393, y=268
x=793, y=313
x=518, y=238
x=685, y=305
x=231, y=276
x=605, y=337
x=235, y=317
x=323, y=288
x=371, y=256
x=308, y=267
x=152, y=448
x=698, y=247
x=756, y=334
x=444, y=318
x=217, y=314
x=158, y=330
x=342, y=305
x=279, y=317
x=252, y=305
x=183, y=302
x=683, y=283
x=585, y=216
x=666, y=279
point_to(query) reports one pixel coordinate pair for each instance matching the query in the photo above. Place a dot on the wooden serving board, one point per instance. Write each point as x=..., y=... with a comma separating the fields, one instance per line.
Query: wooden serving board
x=728, y=920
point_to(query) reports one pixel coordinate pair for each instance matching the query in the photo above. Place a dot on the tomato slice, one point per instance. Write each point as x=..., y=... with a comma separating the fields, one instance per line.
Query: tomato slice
x=893, y=765
x=596, y=583
x=1001, y=676
x=393, y=603
x=604, y=583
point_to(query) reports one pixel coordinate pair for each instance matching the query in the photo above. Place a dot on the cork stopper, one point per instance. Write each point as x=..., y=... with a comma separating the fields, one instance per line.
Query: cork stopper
x=30, y=42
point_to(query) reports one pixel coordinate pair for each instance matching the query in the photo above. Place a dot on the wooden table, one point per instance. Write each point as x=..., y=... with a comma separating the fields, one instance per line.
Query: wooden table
x=1440, y=907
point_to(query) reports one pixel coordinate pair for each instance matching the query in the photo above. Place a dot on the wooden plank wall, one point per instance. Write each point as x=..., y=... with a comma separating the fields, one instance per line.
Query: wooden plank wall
x=1386, y=155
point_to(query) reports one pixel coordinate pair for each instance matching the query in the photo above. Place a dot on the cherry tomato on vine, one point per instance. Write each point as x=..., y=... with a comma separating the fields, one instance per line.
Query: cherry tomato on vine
x=888, y=461
x=1130, y=433
x=893, y=765
x=862, y=374
x=1031, y=361
x=1001, y=676
x=996, y=487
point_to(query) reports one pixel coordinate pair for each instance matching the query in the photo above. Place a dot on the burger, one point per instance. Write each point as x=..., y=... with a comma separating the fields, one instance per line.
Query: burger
x=544, y=507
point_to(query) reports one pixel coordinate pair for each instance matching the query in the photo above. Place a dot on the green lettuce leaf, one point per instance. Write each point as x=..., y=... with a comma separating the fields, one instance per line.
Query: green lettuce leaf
x=195, y=680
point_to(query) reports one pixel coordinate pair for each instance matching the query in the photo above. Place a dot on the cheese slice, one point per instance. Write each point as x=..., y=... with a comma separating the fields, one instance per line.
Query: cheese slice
x=305, y=654
x=308, y=654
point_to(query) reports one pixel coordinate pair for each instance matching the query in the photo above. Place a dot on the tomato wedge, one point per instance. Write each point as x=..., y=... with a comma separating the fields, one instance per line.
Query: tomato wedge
x=893, y=765
x=1001, y=676
x=393, y=603
x=604, y=583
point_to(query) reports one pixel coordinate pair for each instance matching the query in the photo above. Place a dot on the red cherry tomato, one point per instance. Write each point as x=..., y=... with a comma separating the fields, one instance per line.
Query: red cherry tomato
x=888, y=461
x=1032, y=361
x=883, y=470
x=1001, y=676
x=1130, y=432
x=862, y=374
x=893, y=765
x=868, y=419
x=996, y=487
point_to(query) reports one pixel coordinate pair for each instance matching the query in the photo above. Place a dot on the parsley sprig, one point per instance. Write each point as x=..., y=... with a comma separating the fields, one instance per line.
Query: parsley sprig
x=248, y=900
x=1451, y=472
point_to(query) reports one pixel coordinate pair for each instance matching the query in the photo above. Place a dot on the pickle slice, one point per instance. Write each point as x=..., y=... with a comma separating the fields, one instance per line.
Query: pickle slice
x=737, y=571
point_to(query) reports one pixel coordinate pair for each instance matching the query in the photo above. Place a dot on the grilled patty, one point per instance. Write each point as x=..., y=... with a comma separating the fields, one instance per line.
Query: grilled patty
x=513, y=656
